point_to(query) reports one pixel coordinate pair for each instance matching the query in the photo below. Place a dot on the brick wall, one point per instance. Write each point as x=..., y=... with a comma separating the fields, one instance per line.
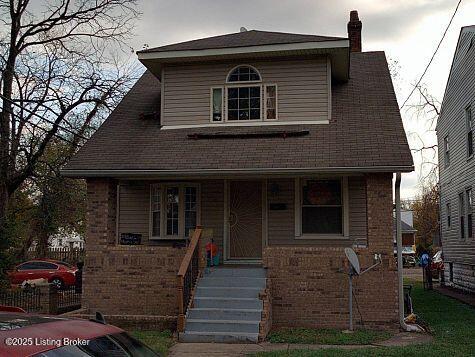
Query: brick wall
x=135, y=280
x=309, y=283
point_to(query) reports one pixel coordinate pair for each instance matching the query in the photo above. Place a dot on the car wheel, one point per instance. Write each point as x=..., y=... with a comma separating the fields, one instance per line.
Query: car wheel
x=58, y=283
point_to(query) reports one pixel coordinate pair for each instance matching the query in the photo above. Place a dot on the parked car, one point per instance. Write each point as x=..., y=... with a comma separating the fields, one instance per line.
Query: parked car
x=24, y=334
x=437, y=265
x=58, y=273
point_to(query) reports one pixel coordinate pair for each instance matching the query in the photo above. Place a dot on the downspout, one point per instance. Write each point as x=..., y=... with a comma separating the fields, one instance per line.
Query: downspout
x=397, y=193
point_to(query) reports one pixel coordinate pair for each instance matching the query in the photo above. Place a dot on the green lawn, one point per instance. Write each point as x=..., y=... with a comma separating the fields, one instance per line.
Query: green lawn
x=159, y=341
x=452, y=324
x=326, y=336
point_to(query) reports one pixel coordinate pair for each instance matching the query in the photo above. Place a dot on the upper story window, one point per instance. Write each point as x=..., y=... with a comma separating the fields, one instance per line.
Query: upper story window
x=449, y=215
x=244, y=74
x=469, y=127
x=243, y=97
x=446, y=151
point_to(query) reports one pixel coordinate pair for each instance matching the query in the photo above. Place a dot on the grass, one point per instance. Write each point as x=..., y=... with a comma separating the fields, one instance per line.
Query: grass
x=326, y=336
x=159, y=341
x=451, y=322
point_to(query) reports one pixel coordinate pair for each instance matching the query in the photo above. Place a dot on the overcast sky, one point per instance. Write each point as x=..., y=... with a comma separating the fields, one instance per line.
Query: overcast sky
x=407, y=30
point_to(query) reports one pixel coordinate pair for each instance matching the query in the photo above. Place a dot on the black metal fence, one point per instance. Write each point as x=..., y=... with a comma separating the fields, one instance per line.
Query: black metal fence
x=43, y=299
x=27, y=299
x=68, y=299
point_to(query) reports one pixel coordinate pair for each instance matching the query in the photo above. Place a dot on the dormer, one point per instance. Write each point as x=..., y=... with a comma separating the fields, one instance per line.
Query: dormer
x=248, y=78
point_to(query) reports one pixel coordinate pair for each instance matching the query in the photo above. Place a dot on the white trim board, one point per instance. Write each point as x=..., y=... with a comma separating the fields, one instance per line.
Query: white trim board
x=252, y=123
x=243, y=50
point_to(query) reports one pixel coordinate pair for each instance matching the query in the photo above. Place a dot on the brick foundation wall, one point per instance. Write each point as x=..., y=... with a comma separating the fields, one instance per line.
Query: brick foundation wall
x=124, y=280
x=309, y=284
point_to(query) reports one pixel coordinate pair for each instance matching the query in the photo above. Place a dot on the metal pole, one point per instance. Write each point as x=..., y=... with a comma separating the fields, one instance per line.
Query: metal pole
x=350, y=275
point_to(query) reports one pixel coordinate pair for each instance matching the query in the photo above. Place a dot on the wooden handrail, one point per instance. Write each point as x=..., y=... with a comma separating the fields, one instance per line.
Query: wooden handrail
x=185, y=263
x=188, y=274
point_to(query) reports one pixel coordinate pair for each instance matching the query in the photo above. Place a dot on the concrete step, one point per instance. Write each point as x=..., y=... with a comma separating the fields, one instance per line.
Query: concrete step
x=218, y=337
x=227, y=303
x=235, y=326
x=235, y=292
x=221, y=281
x=225, y=314
x=236, y=272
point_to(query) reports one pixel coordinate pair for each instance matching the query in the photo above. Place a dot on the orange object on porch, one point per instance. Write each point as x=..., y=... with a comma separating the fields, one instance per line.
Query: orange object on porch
x=211, y=249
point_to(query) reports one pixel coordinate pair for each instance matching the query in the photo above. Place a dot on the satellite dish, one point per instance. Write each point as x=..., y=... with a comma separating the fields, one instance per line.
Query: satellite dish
x=353, y=259
x=243, y=29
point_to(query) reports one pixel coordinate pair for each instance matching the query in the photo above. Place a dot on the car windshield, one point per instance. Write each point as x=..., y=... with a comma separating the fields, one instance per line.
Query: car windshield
x=117, y=345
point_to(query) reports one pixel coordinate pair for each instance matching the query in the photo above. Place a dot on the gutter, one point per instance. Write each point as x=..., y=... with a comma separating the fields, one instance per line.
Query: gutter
x=213, y=172
x=397, y=193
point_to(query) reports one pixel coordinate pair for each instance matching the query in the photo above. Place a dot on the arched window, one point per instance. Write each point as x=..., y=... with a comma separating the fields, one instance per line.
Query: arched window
x=244, y=74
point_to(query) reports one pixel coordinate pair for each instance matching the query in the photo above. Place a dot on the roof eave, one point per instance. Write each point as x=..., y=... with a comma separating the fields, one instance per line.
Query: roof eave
x=213, y=172
x=337, y=49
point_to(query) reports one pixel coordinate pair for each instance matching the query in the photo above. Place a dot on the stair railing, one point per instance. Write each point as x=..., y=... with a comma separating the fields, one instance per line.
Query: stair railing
x=187, y=276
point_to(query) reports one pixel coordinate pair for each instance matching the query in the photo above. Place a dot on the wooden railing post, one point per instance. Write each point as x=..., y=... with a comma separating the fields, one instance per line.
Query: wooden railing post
x=188, y=277
x=181, y=312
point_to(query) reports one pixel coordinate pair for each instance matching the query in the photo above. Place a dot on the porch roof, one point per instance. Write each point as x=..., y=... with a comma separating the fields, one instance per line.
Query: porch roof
x=365, y=133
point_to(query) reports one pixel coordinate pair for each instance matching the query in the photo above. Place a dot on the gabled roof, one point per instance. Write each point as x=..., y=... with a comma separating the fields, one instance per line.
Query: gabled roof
x=243, y=39
x=365, y=133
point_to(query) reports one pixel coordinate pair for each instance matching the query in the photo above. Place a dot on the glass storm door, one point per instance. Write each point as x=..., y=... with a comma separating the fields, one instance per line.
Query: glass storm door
x=245, y=220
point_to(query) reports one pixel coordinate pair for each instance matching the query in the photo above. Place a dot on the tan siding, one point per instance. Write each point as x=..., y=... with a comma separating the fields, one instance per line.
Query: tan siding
x=212, y=209
x=281, y=229
x=134, y=206
x=357, y=207
x=302, y=89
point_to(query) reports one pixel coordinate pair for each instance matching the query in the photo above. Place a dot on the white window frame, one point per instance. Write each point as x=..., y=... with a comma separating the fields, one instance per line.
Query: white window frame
x=446, y=151
x=181, y=209
x=211, y=105
x=298, y=209
x=243, y=65
x=276, y=101
x=240, y=85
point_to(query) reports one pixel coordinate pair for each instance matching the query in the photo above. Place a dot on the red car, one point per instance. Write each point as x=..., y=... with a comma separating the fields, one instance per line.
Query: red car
x=24, y=335
x=58, y=273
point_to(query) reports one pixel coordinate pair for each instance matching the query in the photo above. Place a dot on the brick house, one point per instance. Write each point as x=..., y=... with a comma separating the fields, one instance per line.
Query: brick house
x=282, y=147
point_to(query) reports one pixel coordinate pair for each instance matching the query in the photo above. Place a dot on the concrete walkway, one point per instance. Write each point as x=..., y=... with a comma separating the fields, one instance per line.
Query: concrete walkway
x=234, y=350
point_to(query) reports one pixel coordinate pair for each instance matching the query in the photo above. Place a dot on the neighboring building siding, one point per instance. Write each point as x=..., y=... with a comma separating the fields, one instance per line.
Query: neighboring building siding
x=460, y=175
x=302, y=89
x=134, y=208
x=281, y=223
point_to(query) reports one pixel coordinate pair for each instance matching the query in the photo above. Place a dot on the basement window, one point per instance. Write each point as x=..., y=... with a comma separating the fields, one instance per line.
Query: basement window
x=174, y=210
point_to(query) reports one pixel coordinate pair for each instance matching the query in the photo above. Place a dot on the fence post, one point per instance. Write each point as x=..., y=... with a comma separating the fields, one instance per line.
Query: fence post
x=53, y=299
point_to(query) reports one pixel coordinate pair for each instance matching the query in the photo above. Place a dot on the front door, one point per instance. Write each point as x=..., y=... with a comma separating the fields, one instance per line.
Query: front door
x=245, y=220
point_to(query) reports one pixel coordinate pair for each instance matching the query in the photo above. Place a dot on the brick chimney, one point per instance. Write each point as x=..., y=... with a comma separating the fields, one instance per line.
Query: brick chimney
x=354, y=32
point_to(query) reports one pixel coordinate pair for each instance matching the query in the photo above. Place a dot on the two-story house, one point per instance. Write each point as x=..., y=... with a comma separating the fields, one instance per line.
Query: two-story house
x=455, y=131
x=281, y=148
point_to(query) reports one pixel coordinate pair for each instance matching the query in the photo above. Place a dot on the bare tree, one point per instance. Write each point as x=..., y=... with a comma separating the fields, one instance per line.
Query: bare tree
x=427, y=111
x=58, y=78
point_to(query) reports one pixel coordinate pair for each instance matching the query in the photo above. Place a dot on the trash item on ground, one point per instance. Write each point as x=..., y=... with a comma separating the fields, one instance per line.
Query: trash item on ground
x=34, y=282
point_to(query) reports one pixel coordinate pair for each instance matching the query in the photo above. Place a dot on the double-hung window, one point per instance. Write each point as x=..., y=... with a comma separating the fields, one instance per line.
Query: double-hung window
x=449, y=215
x=469, y=199
x=462, y=215
x=469, y=128
x=446, y=151
x=322, y=207
x=174, y=210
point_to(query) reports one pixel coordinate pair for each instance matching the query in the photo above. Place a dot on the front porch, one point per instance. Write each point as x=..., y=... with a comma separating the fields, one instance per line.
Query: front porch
x=251, y=220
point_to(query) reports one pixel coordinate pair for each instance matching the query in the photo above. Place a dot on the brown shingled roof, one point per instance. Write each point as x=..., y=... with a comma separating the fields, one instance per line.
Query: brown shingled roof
x=365, y=132
x=243, y=39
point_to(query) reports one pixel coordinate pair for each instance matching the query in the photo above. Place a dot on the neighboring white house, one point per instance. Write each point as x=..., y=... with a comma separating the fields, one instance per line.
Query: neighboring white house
x=66, y=239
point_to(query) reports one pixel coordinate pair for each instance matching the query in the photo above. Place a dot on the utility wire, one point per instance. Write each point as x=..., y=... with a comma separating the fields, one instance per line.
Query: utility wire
x=432, y=58
x=43, y=118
